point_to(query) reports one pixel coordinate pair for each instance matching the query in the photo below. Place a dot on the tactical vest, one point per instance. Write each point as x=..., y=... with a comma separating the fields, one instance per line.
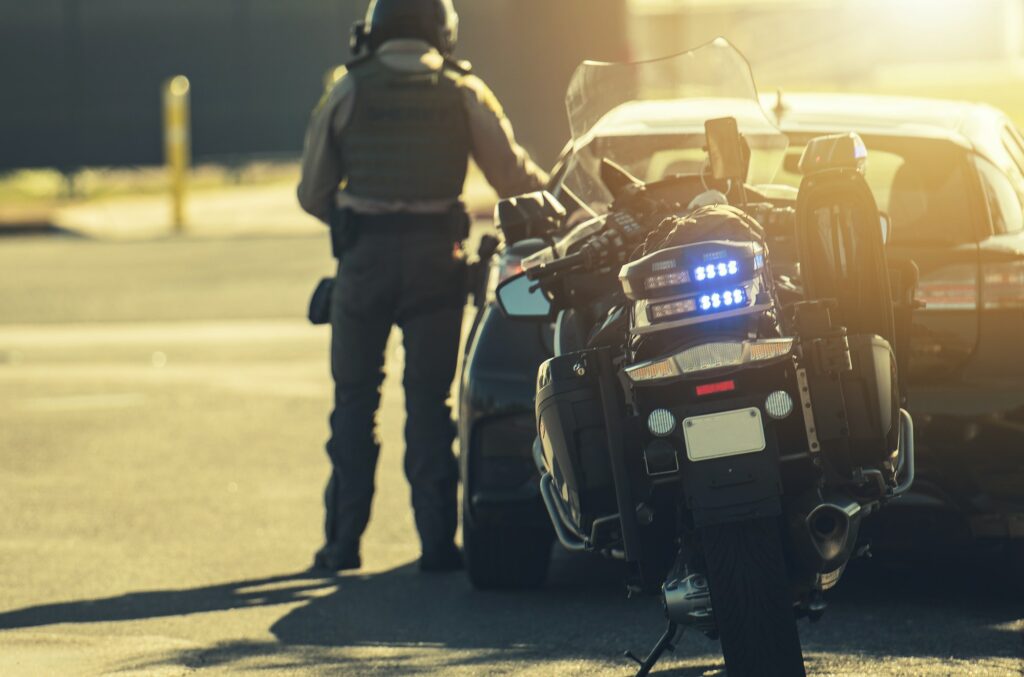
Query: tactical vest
x=408, y=137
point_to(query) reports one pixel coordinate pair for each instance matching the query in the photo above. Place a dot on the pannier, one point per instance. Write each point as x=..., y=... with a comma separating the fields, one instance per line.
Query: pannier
x=573, y=436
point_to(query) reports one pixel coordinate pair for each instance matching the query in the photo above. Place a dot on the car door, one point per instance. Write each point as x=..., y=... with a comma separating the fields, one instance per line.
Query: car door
x=936, y=206
x=1001, y=325
x=996, y=374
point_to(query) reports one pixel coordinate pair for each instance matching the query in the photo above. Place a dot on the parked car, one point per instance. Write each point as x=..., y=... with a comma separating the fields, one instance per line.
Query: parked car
x=950, y=177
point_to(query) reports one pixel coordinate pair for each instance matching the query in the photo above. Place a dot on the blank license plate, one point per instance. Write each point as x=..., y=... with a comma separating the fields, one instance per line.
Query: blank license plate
x=728, y=433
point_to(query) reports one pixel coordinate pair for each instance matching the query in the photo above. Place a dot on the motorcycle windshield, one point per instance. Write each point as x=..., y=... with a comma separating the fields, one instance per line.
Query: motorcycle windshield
x=649, y=118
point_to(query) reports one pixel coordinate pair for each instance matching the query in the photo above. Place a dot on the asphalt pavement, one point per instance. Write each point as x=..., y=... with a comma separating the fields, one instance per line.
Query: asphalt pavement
x=163, y=408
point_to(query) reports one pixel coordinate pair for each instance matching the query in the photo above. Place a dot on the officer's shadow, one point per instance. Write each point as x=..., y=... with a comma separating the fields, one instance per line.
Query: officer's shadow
x=404, y=622
x=424, y=622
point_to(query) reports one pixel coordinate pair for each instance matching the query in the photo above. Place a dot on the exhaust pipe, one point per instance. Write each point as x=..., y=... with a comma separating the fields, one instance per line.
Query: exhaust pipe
x=832, y=529
x=567, y=535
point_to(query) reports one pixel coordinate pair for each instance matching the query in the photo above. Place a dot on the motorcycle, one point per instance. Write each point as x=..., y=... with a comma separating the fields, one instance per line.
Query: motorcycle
x=724, y=405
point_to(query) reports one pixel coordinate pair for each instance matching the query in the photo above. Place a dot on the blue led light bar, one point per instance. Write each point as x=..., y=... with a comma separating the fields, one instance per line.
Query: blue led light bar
x=692, y=269
x=731, y=298
x=712, y=271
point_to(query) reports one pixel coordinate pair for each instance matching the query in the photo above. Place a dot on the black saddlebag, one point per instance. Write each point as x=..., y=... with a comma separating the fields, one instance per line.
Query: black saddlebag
x=857, y=415
x=872, y=400
x=573, y=436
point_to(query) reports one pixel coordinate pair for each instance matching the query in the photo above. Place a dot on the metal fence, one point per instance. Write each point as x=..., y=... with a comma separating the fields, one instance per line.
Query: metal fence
x=80, y=79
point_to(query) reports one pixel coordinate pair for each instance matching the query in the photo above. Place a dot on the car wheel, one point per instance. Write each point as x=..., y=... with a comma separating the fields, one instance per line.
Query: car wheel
x=505, y=557
x=1015, y=566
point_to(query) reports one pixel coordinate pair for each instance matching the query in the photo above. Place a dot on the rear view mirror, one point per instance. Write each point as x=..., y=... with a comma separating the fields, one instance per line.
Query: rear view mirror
x=529, y=215
x=521, y=298
x=730, y=156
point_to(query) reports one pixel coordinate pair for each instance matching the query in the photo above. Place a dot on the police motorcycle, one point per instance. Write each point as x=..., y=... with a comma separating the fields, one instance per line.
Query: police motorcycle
x=724, y=405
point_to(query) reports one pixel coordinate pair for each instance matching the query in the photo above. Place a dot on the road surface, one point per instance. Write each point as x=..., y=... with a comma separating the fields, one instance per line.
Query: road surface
x=162, y=412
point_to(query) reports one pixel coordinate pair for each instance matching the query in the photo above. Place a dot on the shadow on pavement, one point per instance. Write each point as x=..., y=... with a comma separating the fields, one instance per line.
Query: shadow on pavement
x=159, y=603
x=582, y=613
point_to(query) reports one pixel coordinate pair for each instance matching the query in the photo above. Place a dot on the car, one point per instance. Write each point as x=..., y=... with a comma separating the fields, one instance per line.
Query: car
x=950, y=178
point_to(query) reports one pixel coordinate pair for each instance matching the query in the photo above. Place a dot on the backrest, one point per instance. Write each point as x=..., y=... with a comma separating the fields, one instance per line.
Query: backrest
x=842, y=254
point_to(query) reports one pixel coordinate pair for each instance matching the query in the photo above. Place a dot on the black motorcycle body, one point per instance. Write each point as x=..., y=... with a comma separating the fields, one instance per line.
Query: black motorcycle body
x=721, y=427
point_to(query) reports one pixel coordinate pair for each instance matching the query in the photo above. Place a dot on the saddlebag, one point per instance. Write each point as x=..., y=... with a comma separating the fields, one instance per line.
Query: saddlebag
x=855, y=401
x=574, y=438
x=872, y=400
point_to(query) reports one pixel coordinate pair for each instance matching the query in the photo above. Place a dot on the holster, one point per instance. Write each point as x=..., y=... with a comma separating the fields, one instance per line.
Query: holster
x=320, y=303
x=459, y=222
x=344, y=231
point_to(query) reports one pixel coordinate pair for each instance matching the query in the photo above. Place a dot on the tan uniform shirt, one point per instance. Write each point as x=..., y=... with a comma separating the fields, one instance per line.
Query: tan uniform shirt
x=505, y=164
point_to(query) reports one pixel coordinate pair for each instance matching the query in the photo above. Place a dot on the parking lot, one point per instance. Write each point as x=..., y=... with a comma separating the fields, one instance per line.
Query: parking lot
x=162, y=412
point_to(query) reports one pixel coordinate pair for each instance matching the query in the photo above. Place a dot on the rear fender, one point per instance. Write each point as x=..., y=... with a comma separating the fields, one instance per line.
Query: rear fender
x=734, y=488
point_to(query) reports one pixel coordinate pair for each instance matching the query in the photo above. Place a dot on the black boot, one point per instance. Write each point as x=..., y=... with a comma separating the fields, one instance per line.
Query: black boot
x=334, y=557
x=442, y=559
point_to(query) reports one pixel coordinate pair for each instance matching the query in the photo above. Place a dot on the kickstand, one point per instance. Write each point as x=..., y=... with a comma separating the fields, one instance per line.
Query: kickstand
x=664, y=644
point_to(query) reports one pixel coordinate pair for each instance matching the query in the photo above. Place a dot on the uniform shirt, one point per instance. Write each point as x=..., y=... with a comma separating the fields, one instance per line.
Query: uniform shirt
x=505, y=164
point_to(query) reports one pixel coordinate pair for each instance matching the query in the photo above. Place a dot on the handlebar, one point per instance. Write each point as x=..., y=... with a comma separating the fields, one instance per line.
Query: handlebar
x=564, y=264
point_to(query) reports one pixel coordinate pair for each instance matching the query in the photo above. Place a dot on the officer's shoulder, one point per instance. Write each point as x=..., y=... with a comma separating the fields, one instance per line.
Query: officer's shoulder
x=338, y=86
x=480, y=93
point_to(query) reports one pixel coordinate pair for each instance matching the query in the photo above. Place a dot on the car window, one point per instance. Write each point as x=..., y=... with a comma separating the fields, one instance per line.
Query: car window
x=921, y=183
x=1004, y=202
x=1014, y=165
x=1015, y=147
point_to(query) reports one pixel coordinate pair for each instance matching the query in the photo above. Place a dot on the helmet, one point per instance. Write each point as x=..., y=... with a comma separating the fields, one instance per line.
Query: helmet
x=433, y=21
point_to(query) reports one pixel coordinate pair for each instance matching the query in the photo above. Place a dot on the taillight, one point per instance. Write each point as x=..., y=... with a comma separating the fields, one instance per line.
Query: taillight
x=708, y=356
x=503, y=267
x=715, y=388
x=1003, y=285
x=950, y=288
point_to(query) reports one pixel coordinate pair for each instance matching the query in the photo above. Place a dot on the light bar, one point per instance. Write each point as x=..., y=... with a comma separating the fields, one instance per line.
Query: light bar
x=708, y=357
x=716, y=270
x=724, y=299
x=667, y=280
x=691, y=269
x=702, y=304
x=673, y=308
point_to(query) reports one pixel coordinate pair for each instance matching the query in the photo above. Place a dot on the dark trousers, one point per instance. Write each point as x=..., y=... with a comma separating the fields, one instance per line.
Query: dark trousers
x=405, y=276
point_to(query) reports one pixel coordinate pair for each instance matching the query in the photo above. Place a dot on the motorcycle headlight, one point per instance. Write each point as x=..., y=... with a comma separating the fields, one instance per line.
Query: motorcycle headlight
x=708, y=357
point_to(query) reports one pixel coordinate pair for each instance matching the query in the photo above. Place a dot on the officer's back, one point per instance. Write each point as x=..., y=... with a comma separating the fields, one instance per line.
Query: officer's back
x=385, y=162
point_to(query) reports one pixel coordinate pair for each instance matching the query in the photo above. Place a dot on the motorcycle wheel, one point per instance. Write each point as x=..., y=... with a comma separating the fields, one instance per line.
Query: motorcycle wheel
x=503, y=557
x=751, y=599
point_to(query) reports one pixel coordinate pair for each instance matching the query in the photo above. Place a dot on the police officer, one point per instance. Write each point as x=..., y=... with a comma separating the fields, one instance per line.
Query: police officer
x=385, y=161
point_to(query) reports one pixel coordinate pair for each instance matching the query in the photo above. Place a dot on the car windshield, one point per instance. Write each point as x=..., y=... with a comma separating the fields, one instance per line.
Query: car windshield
x=649, y=117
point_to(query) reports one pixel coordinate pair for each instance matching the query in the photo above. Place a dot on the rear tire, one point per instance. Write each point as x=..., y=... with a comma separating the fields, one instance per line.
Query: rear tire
x=751, y=598
x=504, y=557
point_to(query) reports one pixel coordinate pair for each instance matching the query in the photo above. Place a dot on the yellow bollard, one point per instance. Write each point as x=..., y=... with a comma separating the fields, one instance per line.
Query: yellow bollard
x=177, y=143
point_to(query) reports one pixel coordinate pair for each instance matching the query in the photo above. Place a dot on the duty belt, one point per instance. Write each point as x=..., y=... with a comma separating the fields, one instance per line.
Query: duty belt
x=347, y=225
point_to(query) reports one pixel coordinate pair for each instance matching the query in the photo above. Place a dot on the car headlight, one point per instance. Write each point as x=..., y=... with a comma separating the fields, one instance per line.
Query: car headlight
x=707, y=357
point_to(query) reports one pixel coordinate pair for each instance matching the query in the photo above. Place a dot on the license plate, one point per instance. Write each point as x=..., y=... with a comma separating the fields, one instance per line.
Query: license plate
x=727, y=433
